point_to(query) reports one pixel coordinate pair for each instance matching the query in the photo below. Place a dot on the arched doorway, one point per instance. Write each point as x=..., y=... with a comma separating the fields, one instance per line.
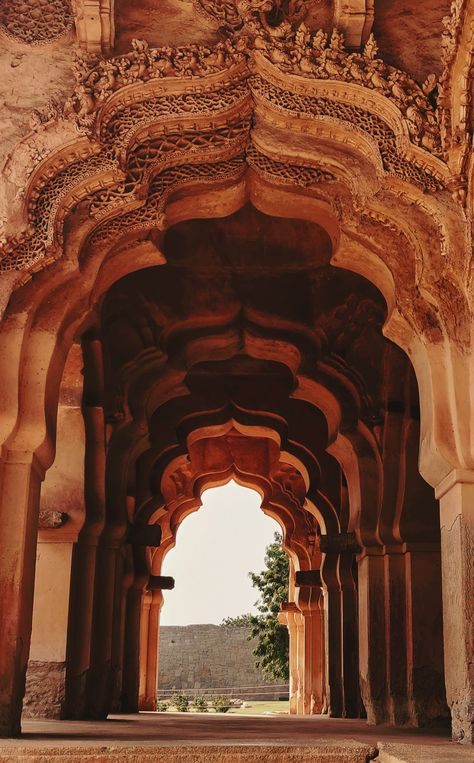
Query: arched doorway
x=280, y=355
x=195, y=372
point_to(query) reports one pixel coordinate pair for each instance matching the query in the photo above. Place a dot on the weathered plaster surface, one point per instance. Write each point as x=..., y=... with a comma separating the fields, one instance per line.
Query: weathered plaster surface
x=409, y=40
x=29, y=78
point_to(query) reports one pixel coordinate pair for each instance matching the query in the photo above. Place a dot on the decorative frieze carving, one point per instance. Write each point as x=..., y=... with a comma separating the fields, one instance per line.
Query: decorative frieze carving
x=32, y=246
x=312, y=107
x=314, y=56
x=35, y=22
x=146, y=159
x=187, y=119
x=303, y=175
x=151, y=215
x=124, y=121
x=96, y=83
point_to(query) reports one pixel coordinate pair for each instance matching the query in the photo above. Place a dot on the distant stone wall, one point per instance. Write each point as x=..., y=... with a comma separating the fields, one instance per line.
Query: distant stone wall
x=212, y=657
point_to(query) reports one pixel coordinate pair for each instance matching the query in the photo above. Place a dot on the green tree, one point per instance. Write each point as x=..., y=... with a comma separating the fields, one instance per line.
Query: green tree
x=272, y=649
x=237, y=622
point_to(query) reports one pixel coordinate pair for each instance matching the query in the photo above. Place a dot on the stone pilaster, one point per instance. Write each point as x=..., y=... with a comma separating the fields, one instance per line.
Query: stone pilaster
x=456, y=495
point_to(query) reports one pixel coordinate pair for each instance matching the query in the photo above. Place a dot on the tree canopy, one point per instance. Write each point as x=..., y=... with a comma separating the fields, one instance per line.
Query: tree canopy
x=272, y=650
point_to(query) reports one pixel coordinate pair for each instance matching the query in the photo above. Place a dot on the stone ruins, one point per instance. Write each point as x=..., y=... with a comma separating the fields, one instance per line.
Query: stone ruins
x=236, y=243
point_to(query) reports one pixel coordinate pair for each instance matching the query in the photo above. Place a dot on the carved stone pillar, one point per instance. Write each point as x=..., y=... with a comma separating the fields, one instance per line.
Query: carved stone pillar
x=397, y=632
x=85, y=552
x=341, y=624
x=456, y=495
x=150, y=657
x=46, y=676
x=372, y=638
x=288, y=616
x=301, y=667
x=131, y=656
x=80, y=623
x=314, y=666
x=61, y=517
x=95, y=27
x=311, y=650
x=20, y=481
x=333, y=635
x=355, y=19
x=143, y=645
x=425, y=663
x=415, y=683
x=350, y=638
x=105, y=627
x=120, y=643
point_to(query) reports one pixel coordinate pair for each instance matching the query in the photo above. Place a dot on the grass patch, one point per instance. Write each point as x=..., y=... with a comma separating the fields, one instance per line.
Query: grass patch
x=258, y=708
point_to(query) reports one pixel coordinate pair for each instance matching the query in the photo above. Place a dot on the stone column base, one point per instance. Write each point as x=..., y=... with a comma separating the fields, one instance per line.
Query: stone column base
x=45, y=690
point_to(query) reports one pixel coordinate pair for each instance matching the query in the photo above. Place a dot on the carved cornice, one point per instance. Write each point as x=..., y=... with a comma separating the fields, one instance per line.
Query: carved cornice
x=311, y=56
x=354, y=19
x=304, y=175
x=322, y=102
x=159, y=119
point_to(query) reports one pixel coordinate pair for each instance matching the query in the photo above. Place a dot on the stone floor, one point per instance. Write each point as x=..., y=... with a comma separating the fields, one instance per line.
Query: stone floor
x=199, y=738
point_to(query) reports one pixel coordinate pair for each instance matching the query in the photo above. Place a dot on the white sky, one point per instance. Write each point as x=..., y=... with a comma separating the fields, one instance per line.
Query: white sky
x=216, y=548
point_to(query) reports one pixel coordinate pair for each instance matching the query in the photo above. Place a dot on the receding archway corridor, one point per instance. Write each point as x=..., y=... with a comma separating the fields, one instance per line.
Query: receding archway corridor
x=236, y=244
x=195, y=372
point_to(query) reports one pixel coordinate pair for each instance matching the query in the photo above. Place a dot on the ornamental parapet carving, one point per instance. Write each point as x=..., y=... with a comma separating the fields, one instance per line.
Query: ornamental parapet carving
x=98, y=80
x=323, y=104
x=158, y=119
x=270, y=28
x=313, y=56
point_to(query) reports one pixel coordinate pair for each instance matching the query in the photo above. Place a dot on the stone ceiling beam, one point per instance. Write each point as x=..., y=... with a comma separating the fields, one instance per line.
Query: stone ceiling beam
x=354, y=18
x=95, y=25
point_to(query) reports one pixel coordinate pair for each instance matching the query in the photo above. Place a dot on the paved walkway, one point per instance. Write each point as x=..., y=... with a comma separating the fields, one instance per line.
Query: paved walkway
x=173, y=737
